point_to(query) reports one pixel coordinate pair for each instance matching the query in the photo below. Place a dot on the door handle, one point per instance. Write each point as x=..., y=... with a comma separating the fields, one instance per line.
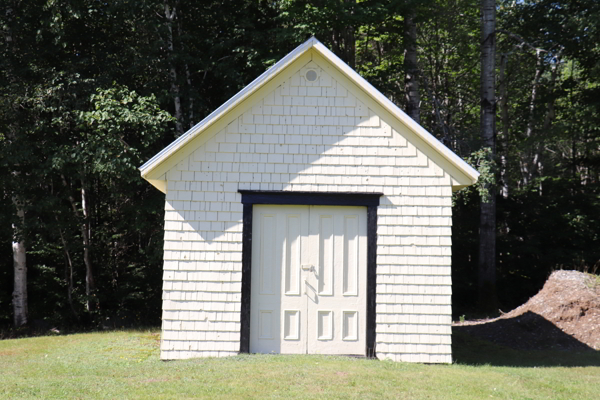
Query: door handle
x=308, y=267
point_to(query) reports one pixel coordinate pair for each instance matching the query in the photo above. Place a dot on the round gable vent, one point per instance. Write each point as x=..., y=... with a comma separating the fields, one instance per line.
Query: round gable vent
x=311, y=75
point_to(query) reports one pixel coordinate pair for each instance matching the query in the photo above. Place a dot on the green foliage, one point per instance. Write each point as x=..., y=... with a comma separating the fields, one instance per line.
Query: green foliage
x=482, y=161
x=449, y=60
x=593, y=282
x=99, y=141
x=87, y=94
x=118, y=130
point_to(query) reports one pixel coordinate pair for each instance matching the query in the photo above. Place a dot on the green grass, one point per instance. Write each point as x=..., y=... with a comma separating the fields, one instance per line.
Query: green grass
x=593, y=281
x=125, y=365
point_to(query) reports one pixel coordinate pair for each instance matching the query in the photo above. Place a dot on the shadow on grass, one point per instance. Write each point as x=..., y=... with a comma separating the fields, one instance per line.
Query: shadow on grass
x=528, y=340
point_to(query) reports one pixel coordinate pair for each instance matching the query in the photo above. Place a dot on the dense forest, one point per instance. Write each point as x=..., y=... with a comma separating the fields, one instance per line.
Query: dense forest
x=92, y=89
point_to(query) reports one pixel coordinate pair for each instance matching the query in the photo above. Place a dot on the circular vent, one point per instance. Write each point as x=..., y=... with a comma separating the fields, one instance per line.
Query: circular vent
x=311, y=75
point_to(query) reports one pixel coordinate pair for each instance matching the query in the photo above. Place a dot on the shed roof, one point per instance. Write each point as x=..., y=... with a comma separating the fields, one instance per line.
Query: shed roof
x=154, y=169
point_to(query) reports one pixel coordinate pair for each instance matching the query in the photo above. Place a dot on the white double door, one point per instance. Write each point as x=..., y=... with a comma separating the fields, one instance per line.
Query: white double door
x=308, y=279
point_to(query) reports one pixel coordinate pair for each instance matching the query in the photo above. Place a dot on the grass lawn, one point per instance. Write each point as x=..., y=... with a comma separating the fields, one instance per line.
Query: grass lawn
x=125, y=365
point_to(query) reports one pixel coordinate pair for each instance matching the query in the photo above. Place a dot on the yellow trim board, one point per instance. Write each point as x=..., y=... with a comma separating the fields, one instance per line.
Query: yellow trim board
x=160, y=184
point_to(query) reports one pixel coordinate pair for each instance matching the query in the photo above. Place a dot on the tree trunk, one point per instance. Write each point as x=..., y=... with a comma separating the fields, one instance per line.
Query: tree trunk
x=19, y=296
x=350, y=46
x=528, y=164
x=343, y=40
x=90, y=284
x=411, y=80
x=487, y=222
x=435, y=105
x=188, y=80
x=170, y=15
x=191, y=98
x=68, y=271
x=505, y=127
x=537, y=162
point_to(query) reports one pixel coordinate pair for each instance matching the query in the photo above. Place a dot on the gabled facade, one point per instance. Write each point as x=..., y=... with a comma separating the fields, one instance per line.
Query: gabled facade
x=308, y=214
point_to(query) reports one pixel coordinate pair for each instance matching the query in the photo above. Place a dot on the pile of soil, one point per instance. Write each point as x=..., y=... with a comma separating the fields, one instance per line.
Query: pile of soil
x=565, y=315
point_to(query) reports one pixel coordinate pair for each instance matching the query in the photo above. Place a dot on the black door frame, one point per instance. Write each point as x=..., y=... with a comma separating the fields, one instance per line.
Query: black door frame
x=369, y=200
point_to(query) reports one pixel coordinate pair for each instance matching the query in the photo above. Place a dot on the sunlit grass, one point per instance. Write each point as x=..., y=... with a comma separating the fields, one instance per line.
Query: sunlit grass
x=125, y=365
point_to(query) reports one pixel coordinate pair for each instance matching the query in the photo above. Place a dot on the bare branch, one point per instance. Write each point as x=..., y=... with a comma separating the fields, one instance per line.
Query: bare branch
x=523, y=42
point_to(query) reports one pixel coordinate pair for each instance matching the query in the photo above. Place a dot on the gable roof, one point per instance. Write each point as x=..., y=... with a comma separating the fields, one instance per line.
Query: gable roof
x=154, y=169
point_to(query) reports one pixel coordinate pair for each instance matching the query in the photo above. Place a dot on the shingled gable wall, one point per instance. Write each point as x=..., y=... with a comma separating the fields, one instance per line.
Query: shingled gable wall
x=307, y=136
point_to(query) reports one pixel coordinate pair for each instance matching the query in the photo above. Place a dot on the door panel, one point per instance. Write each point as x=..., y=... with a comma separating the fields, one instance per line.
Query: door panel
x=278, y=305
x=350, y=268
x=324, y=237
x=292, y=278
x=343, y=245
x=308, y=279
x=268, y=263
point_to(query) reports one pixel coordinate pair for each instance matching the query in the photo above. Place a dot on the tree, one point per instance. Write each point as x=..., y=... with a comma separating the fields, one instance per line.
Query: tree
x=487, y=224
x=19, y=297
x=86, y=86
x=50, y=156
x=11, y=81
x=413, y=98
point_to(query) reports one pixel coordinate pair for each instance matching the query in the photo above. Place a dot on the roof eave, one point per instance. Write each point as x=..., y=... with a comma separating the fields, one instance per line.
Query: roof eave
x=469, y=172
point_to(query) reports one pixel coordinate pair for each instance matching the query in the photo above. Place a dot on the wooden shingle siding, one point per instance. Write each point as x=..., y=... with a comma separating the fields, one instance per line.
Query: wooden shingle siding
x=307, y=136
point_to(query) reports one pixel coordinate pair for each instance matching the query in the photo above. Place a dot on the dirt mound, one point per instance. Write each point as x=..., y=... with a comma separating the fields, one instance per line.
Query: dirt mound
x=565, y=314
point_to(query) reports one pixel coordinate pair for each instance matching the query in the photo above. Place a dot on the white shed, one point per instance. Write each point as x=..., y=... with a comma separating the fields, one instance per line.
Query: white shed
x=308, y=214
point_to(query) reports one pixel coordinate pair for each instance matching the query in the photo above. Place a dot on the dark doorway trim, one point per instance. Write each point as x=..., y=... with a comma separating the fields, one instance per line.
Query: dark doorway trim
x=246, y=279
x=369, y=200
x=310, y=198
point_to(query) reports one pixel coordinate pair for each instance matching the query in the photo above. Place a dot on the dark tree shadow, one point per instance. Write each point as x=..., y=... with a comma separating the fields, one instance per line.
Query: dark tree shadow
x=528, y=340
